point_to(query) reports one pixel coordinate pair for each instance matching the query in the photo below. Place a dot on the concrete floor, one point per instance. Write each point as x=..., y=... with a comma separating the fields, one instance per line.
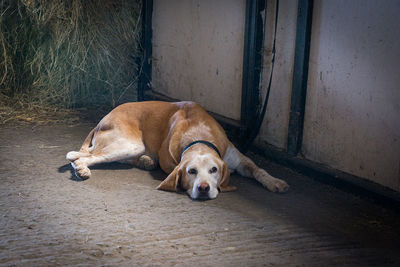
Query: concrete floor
x=117, y=218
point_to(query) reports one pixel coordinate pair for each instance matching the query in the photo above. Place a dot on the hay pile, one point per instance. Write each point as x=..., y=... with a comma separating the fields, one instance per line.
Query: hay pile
x=57, y=54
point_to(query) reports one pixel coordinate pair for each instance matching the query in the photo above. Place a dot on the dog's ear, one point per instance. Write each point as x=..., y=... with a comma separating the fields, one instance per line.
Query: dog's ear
x=224, y=182
x=171, y=182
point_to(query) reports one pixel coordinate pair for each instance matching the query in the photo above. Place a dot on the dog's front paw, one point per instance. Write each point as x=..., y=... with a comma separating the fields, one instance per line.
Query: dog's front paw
x=277, y=186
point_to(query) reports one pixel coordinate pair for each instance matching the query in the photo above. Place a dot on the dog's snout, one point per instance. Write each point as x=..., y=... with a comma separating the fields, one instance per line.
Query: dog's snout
x=203, y=187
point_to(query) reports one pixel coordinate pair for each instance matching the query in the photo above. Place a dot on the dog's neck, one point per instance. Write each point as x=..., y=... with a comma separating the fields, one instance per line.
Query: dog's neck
x=201, y=142
x=198, y=132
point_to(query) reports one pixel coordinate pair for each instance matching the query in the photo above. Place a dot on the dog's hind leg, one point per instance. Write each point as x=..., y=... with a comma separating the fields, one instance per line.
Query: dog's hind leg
x=108, y=142
x=121, y=150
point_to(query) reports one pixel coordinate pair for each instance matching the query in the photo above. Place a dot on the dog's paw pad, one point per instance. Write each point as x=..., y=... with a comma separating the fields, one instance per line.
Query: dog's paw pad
x=278, y=186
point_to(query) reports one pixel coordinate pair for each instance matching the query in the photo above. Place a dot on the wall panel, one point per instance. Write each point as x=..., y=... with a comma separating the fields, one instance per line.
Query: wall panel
x=198, y=52
x=352, y=119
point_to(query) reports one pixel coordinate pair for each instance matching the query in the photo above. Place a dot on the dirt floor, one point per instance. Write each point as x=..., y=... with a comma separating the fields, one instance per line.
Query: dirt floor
x=117, y=218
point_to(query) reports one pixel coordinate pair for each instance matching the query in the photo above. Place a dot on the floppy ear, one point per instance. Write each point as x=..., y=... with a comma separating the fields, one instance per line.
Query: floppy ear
x=171, y=182
x=224, y=182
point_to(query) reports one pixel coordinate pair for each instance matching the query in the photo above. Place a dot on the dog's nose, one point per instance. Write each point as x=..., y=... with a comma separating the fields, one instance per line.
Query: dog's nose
x=203, y=187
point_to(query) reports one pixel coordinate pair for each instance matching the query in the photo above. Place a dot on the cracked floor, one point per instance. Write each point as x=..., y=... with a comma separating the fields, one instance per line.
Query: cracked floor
x=117, y=218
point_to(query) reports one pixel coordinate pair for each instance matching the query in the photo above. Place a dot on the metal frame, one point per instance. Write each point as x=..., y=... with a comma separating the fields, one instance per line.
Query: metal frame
x=252, y=64
x=300, y=75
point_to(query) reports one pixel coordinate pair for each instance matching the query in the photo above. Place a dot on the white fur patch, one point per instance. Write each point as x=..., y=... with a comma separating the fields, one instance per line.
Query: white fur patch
x=232, y=157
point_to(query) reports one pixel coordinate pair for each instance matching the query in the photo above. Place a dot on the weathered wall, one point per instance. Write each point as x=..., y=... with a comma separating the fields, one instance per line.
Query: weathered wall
x=352, y=119
x=198, y=52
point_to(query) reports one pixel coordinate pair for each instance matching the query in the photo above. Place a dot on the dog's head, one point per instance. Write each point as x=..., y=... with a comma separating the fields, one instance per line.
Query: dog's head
x=201, y=173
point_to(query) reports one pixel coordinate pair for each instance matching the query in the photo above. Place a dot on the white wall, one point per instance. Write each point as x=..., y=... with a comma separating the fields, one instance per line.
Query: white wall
x=352, y=119
x=198, y=52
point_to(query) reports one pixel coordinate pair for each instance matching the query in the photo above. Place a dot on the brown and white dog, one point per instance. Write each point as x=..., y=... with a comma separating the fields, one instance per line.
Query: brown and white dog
x=186, y=141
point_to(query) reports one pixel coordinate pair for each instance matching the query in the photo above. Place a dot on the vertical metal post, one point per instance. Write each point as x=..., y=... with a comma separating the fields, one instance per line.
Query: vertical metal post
x=146, y=46
x=252, y=60
x=300, y=75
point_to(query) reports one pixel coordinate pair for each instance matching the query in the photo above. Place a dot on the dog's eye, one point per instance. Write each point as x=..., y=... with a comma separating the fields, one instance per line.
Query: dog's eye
x=213, y=169
x=192, y=171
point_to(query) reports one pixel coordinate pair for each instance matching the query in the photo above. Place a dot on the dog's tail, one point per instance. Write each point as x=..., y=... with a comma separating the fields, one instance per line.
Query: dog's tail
x=84, y=151
x=88, y=141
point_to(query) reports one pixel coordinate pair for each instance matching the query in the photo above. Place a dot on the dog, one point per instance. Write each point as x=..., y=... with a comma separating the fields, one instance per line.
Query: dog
x=188, y=144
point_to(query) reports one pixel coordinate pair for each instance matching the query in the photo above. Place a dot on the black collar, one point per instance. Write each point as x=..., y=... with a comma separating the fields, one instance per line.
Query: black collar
x=201, y=142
